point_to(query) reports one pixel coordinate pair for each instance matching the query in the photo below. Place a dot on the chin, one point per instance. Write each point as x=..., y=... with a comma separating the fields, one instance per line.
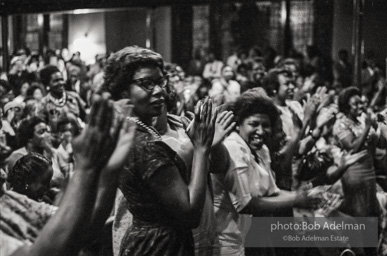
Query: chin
x=256, y=146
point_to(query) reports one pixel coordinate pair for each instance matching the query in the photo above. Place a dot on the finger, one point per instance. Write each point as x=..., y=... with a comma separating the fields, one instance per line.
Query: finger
x=221, y=116
x=99, y=119
x=118, y=129
x=319, y=90
x=190, y=115
x=197, y=111
x=203, y=112
x=230, y=128
x=209, y=112
x=107, y=116
x=185, y=122
x=214, y=117
x=131, y=129
x=324, y=90
x=94, y=111
x=129, y=125
x=229, y=119
x=115, y=121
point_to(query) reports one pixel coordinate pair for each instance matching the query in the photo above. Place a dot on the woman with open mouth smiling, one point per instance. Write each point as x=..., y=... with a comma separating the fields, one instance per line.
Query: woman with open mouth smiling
x=248, y=187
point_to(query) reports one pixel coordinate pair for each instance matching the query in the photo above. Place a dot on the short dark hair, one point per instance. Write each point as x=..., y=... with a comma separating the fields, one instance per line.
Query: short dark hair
x=344, y=97
x=33, y=88
x=122, y=65
x=255, y=101
x=26, y=130
x=26, y=169
x=46, y=72
x=271, y=82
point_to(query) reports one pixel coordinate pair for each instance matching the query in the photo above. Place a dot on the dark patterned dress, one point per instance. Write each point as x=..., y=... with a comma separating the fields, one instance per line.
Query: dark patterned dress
x=153, y=232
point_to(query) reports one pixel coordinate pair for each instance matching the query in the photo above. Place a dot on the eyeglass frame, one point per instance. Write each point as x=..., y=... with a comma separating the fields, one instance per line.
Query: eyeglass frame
x=140, y=81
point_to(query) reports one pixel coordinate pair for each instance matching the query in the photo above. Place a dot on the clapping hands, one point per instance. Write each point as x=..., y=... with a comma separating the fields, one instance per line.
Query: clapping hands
x=105, y=141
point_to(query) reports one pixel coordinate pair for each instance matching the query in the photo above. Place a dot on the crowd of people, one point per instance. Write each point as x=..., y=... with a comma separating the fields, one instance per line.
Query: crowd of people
x=135, y=156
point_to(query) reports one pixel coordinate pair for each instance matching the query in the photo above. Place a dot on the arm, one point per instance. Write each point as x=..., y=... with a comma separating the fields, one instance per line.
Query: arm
x=261, y=206
x=63, y=234
x=336, y=171
x=185, y=203
x=108, y=181
x=352, y=143
x=381, y=87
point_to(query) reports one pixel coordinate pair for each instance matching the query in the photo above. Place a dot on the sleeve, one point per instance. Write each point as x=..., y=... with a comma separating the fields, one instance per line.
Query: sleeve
x=11, y=160
x=236, y=180
x=155, y=156
x=341, y=130
x=297, y=108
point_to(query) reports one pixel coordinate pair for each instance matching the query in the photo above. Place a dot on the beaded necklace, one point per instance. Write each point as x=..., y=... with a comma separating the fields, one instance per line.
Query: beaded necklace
x=59, y=102
x=149, y=129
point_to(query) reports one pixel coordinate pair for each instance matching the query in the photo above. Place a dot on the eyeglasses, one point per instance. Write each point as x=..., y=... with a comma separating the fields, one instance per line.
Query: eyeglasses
x=42, y=131
x=149, y=84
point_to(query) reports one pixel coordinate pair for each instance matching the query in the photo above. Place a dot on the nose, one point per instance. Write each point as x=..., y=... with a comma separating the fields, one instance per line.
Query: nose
x=157, y=90
x=291, y=85
x=259, y=130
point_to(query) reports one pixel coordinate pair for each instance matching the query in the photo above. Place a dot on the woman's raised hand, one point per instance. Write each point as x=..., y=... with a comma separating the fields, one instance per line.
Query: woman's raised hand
x=126, y=130
x=202, y=130
x=351, y=158
x=304, y=199
x=94, y=146
x=223, y=126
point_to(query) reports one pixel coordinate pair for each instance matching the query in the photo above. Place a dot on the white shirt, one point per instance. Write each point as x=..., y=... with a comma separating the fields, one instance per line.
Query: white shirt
x=233, y=191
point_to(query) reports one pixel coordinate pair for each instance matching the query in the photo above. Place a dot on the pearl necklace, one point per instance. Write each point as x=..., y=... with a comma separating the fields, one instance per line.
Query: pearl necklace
x=149, y=129
x=59, y=102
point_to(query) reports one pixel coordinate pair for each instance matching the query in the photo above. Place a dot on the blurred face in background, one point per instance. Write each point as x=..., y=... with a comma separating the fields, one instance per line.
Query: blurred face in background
x=42, y=136
x=257, y=72
x=286, y=86
x=38, y=94
x=74, y=74
x=355, y=106
x=24, y=88
x=365, y=103
x=227, y=73
x=177, y=83
x=57, y=84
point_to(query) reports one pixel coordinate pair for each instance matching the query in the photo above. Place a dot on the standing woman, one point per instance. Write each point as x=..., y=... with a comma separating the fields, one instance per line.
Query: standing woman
x=166, y=201
x=355, y=134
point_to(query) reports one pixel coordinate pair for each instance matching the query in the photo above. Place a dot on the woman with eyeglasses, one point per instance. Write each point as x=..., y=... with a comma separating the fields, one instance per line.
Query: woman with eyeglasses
x=165, y=199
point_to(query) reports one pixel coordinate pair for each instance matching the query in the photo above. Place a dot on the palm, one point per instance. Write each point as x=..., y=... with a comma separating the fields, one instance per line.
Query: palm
x=122, y=148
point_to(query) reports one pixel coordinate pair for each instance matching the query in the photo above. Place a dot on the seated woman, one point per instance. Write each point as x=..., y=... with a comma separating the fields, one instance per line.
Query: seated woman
x=247, y=188
x=30, y=228
x=166, y=201
x=31, y=176
x=225, y=89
